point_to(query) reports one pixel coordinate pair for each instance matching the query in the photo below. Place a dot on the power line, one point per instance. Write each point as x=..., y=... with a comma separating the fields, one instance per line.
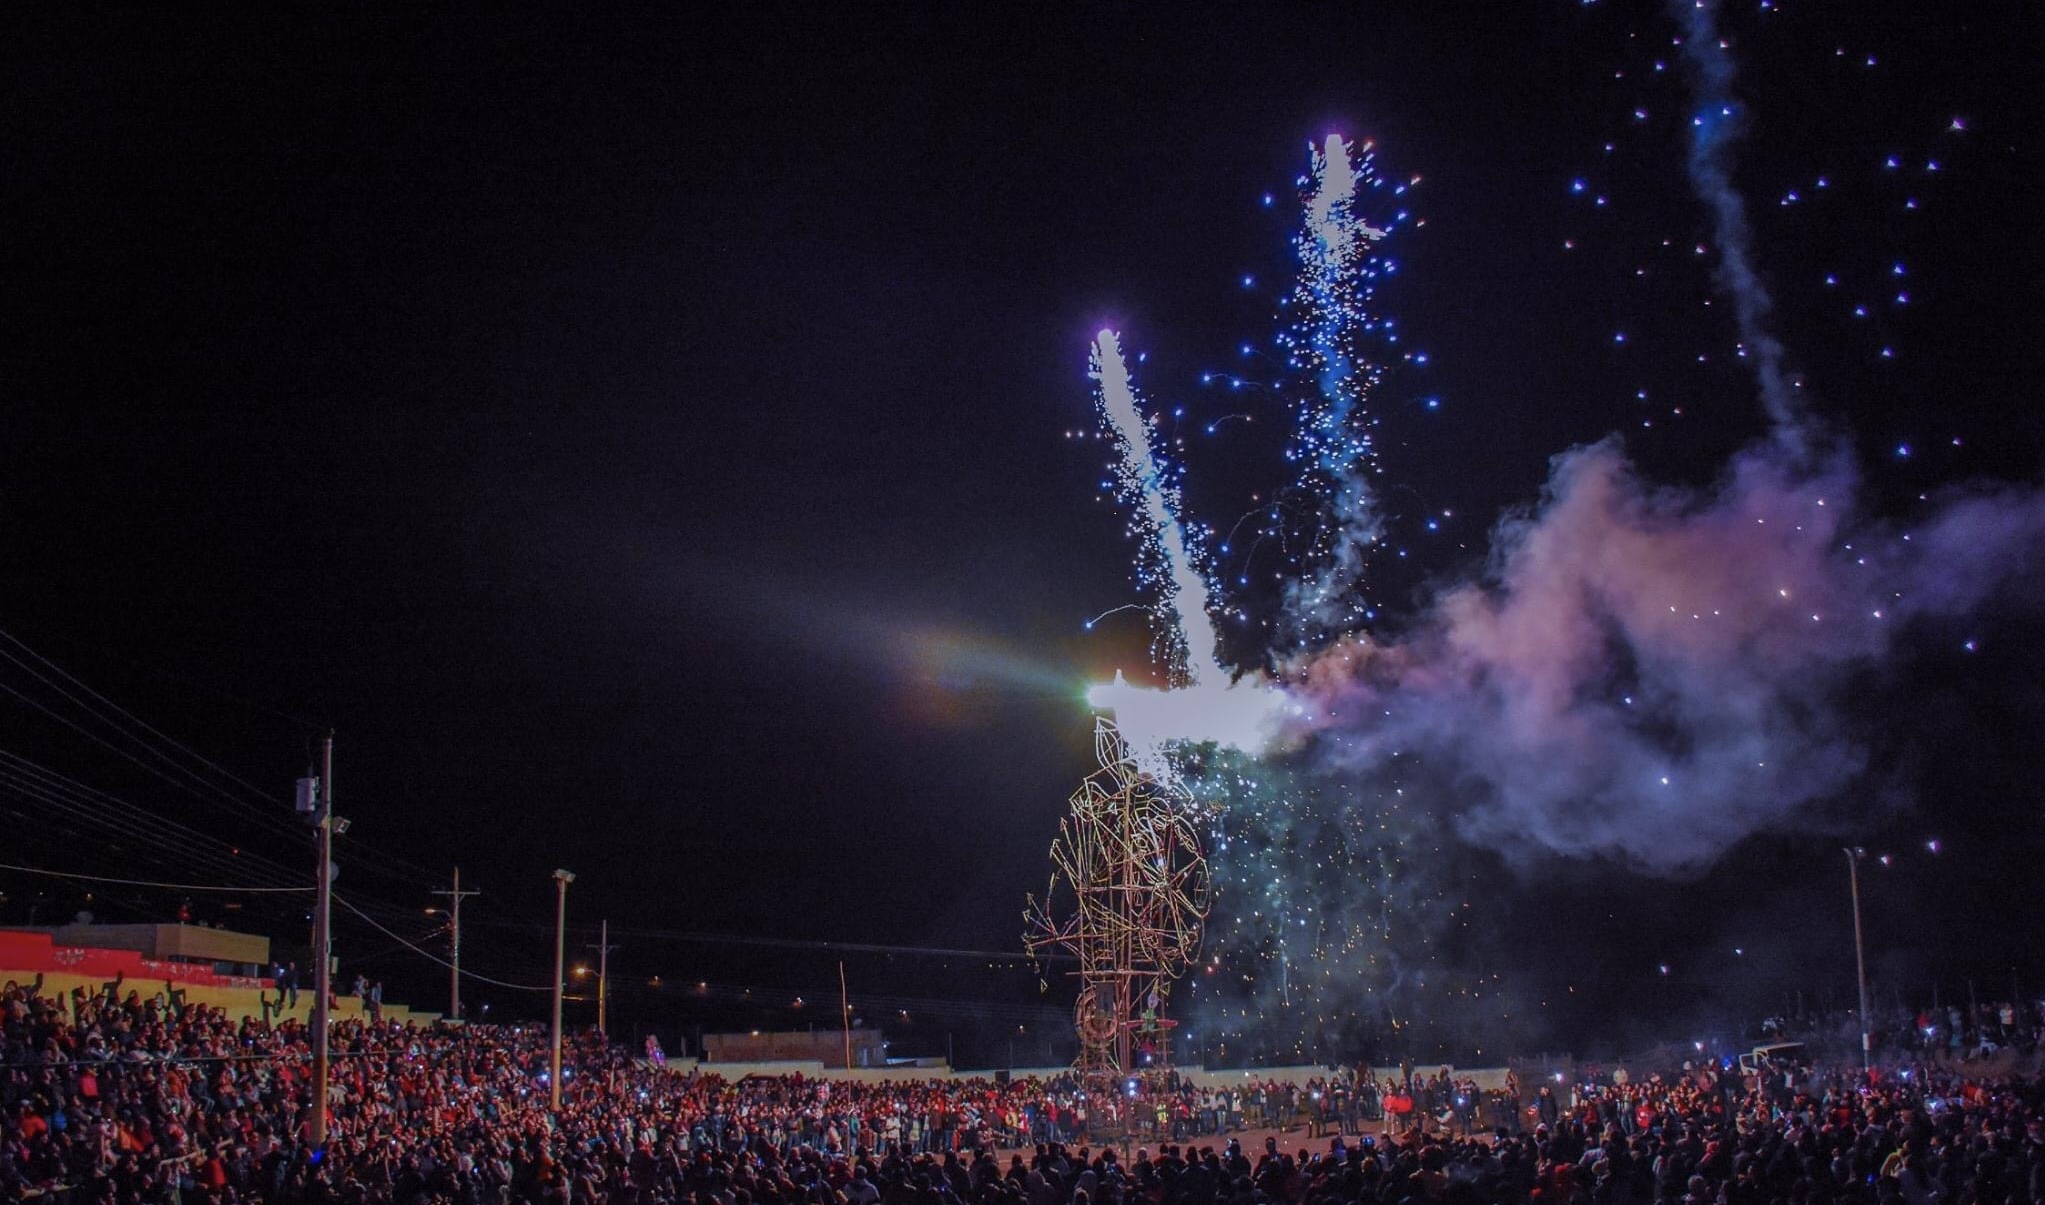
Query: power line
x=428, y=954
x=793, y=943
x=162, y=840
x=187, y=680
x=158, y=836
x=214, y=792
x=96, y=738
x=93, y=878
x=258, y=792
x=874, y=1005
x=728, y=993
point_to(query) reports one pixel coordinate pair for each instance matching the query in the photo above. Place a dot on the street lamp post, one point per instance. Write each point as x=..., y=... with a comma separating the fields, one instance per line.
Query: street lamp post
x=561, y=880
x=1854, y=854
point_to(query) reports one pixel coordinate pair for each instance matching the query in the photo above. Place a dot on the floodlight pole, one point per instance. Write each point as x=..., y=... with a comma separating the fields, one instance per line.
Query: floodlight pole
x=1854, y=854
x=561, y=880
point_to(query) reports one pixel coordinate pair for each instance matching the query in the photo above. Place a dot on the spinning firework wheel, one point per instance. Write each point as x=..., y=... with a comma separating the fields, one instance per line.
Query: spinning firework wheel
x=1128, y=899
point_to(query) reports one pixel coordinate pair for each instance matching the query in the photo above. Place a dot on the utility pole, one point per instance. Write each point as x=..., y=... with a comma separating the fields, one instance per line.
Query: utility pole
x=603, y=948
x=845, y=1013
x=561, y=880
x=454, y=922
x=323, y=920
x=1854, y=854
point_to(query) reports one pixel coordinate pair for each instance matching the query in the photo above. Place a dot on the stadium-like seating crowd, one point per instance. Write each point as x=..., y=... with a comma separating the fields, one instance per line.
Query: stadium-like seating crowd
x=117, y=1098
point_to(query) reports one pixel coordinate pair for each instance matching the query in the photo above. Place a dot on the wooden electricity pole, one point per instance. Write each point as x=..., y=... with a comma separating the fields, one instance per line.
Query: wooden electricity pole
x=603, y=948
x=454, y=945
x=323, y=973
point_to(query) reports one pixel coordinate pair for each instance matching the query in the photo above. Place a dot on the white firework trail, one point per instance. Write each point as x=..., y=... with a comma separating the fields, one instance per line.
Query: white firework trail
x=1333, y=441
x=1205, y=706
x=1183, y=592
x=1715, y=131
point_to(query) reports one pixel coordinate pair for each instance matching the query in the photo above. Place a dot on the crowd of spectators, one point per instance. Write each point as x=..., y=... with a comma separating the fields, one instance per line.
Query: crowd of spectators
x=114, y=1097
x=1975, y=1030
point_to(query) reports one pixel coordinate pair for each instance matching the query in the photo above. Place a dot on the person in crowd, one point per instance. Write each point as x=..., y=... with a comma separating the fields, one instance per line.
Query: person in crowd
x=110, y=1098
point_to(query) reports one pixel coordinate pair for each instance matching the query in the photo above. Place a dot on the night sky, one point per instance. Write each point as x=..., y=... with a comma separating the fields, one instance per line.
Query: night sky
x=662, y=448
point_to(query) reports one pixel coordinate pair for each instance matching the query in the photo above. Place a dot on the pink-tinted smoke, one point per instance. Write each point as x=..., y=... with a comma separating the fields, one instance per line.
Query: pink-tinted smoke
x=1653, y=674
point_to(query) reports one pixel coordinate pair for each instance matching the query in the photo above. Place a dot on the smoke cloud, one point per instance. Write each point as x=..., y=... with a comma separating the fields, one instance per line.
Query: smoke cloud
x=1639, y=673
x=1653, y=674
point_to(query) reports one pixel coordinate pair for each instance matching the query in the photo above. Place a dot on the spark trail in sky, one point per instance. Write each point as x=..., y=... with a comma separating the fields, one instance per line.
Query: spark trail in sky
x=1715, y=128
x=1283, y=841
x=1328, y=356
x=1328, y=344
x=1204, y=706
x=1639, y=675
x=1154, y=501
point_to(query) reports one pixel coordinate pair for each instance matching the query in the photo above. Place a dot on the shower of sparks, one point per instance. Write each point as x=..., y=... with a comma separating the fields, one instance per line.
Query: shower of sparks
x=1165, y=562
x=1328, y=346
x=1204, y=706
x=1599, y=692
